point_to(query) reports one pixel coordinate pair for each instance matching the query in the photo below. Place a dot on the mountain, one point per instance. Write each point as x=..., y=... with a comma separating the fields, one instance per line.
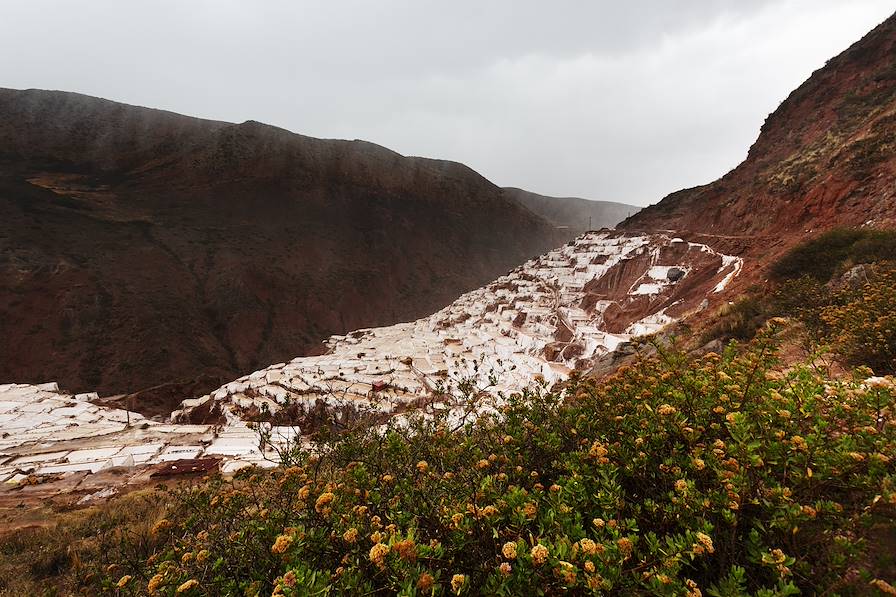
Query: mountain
x=826, y=157
x=141, y=247
x=579, y=215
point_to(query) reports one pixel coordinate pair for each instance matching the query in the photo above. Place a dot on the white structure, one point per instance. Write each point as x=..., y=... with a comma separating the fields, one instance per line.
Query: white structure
x=546, y=318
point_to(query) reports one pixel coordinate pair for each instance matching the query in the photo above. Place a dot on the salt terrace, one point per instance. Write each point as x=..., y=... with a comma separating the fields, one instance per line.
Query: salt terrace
x=45, y=432
x=534, y=321
x=550, y=316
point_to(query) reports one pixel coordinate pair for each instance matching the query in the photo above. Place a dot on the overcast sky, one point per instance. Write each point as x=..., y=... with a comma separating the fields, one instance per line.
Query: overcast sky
x=623, y=101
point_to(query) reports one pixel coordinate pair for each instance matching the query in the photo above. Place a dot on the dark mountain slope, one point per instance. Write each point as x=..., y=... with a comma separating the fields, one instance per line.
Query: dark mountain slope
x=826, y=157
x=140, y=247
x=573, y=212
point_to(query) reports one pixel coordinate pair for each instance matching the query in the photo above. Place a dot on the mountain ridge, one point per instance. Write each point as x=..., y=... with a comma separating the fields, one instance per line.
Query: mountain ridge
x=823, y=158
x=253, y=244
x=576, y=213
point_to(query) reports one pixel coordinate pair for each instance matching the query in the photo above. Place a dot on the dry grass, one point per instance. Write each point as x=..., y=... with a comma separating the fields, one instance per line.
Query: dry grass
x=61, y=553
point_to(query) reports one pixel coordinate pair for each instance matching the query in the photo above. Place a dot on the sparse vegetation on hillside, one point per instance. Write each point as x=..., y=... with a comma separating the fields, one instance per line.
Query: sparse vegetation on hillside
x=69, y=551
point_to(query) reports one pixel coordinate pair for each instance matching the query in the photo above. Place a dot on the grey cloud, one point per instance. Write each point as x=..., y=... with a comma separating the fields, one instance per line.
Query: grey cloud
x=609, y=100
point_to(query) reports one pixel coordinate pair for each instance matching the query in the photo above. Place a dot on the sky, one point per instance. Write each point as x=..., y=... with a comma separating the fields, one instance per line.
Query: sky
x=619, y=101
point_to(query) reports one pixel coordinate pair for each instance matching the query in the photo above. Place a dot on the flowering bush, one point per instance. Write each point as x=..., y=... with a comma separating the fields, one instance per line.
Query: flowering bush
x=722, y=475
x=863, y=325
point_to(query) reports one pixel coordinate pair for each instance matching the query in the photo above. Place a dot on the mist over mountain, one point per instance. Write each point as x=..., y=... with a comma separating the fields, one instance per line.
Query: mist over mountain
x=575, y=214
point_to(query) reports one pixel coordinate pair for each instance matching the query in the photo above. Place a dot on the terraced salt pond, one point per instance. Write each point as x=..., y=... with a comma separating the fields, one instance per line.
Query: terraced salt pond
x=550, y=316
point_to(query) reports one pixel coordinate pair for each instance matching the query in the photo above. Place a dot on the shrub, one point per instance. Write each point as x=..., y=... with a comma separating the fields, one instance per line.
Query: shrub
x=739, y=320
x=717, y=476
x=829, y=311
x=863, y=327
x=823, y=256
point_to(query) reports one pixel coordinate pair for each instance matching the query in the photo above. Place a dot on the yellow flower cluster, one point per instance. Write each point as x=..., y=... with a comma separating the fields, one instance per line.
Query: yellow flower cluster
x=598, y=450
x=406, y=550
x=323, y=502
x=704, y=542
x=162, y=525
x=489, y=511
x=588, y=547
x=539, y=554
x=425, y=582
x=692, y=589
x=289, y=579
x=281, y=544
x=530, y=509
x=378, y=554
x=509, y=550
x=883, y=586
x=187, y=586
x=457, y=582
x=566, y=572
x=154, y=583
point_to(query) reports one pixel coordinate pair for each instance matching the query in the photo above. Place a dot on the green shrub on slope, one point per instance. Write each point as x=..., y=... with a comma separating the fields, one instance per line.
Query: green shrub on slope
x=823, y=256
